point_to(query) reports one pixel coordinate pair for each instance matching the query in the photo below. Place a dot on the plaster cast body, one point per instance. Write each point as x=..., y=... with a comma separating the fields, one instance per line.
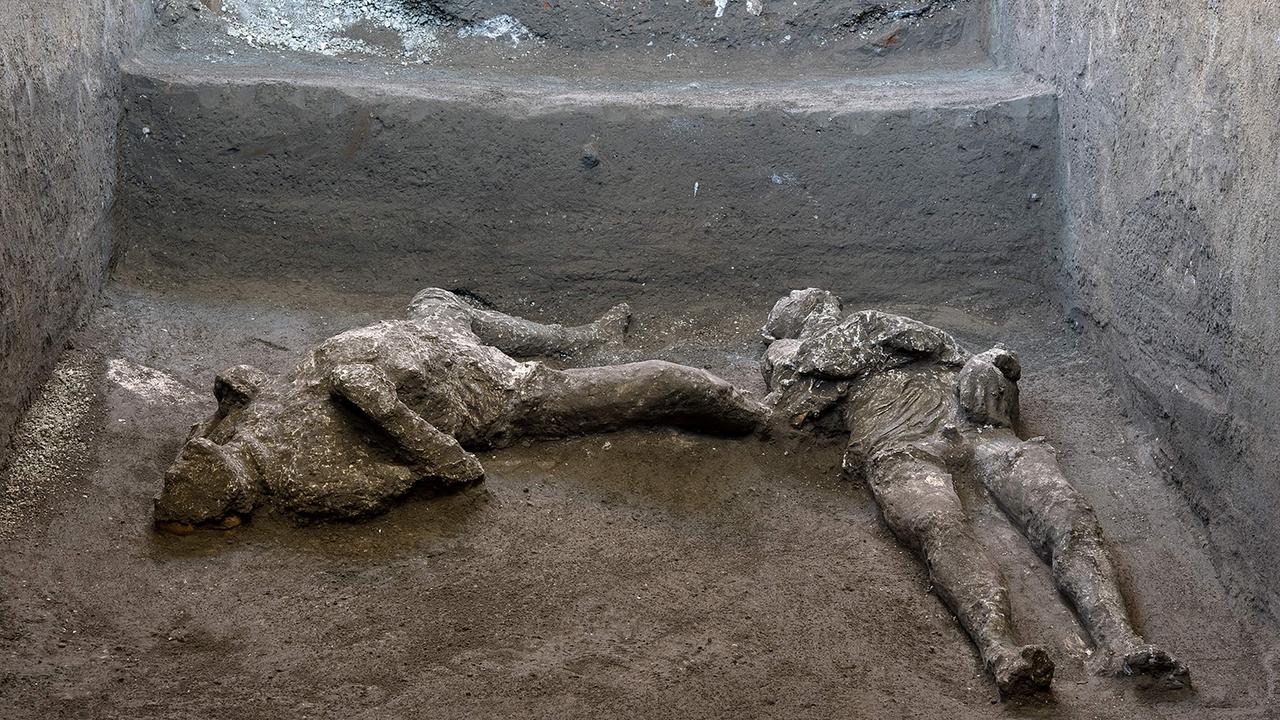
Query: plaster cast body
x=372, y=412
x=918, y=407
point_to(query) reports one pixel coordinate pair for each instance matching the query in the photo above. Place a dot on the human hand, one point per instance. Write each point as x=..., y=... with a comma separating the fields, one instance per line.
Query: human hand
x=987, y=387
x=466, y=470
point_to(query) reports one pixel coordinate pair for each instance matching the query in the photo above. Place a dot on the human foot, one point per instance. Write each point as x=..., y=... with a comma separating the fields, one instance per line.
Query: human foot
x=1021, y=671
x=753, y=414
x=1161, y=668
x=612, y=326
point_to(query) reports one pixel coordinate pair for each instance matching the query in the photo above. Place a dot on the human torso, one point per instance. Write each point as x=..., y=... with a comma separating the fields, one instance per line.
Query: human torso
x=900, y=408
x=885, y=378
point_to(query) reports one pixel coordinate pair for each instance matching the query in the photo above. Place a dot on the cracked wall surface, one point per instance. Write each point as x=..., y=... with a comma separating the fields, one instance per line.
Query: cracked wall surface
x=1170, y=148
x=59, y=87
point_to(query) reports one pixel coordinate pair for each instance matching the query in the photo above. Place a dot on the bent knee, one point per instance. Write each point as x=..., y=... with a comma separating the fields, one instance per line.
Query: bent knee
x=361, y=377
x=365, y=385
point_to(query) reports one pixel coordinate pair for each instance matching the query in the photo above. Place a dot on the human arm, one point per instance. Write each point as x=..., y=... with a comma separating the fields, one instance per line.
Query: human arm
x=436, y=453
x=987, y=387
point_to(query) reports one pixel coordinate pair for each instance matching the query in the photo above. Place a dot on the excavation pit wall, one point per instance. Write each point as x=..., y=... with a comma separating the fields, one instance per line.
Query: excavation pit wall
x=60, y=89
x=929, y=188
x=658, y=572
x=1171, y=256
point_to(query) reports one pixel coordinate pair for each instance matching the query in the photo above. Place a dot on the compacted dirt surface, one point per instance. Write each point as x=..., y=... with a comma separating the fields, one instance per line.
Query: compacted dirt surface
x=640, y=574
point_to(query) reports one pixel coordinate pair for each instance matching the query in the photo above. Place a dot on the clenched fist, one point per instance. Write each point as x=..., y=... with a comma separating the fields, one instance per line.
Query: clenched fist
x=988, y=387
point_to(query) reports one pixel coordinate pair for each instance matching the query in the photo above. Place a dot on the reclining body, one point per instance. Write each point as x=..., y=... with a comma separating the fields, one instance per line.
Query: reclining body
x=372, y=412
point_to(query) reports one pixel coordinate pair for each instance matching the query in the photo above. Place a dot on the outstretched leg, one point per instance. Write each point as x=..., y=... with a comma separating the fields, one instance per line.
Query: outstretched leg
x=1026, y=481
x=558, y=403
x=919, y=503
x=525, y=338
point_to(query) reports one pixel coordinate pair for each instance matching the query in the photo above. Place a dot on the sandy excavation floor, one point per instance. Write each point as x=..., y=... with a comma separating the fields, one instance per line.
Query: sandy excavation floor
x=649, y=574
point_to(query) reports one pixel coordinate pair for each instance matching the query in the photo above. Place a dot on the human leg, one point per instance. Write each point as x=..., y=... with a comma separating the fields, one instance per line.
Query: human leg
x=525, y=338
x=515, y=335
x=919, y=503
x=1026, y=481
x=568, y=402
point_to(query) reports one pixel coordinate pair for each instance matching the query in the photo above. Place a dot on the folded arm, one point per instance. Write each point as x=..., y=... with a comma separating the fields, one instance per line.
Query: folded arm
x=434, y=452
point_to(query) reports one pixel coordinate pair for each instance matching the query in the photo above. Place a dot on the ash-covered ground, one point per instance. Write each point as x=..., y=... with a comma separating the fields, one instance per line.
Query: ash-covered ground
x=332, y=27
x=647, y=574
x=477, y=32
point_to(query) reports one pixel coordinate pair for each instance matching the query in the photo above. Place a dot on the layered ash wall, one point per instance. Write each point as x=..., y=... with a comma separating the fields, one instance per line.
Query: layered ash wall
x=60, y=91
x=1170, y=159
x=658, y=196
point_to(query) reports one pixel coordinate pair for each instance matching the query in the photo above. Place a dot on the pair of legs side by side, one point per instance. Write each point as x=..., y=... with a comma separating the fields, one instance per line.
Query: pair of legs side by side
x=918, y=408
x=908, y=437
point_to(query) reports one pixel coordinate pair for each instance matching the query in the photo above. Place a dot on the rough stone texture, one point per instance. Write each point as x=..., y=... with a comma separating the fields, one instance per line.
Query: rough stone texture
x=1170, y=142
x=442, y=31
x=371, y=413
x=59, y=87
x=586, y=41
x=903, y=185
x=604, y=25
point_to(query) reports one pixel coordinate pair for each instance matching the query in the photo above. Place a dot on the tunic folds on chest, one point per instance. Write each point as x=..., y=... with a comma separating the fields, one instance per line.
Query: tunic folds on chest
x=900, y=406
x=897, y=370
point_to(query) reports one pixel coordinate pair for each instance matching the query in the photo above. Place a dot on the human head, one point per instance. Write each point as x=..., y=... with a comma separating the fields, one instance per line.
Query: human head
x=206, y=483
x=802, y=313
